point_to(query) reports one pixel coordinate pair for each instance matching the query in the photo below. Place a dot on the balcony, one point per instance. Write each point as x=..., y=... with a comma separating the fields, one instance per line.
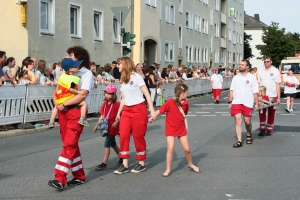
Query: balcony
x=223, y=18
x=223, y=43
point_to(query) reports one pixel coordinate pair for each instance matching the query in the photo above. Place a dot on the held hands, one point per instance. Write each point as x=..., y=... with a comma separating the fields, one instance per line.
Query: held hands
x=115, y=124
x=153, y=116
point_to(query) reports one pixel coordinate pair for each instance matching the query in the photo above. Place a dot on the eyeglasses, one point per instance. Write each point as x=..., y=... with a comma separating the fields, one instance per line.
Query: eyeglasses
x=266, y=61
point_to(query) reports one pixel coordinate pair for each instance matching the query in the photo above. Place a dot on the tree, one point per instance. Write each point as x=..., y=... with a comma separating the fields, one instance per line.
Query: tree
x=247, y=48
x=276, y=44
x=296, y=41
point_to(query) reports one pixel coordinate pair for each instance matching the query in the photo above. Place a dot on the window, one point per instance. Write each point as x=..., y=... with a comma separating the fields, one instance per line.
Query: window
x=217, y=5
x=180, y=8
x=241, y=38
x=211, y=43
x=217, y=30
x=197, y=23
x=204, y=55
x=221, y=57
x=205, y=25
x=170, y=13
x=116, y=30
x=189, y=20
x=198, y=54
x=211, y=15
x=233, y=37
x=229, y=57
x=47, y=17
x=233, y=59
x=75, y=20
x=169, y=51
x=98, y=25
x=229, y=7
x=180, y=37
x=217, y=56
x=150, y=3
x=189, y=53
x=229, y=35
x=241, y=18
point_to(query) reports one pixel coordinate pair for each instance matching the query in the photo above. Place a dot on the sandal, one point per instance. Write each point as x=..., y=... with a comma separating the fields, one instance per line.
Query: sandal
x=166, y=173
x=195, y=168
x=249, y=139
x=238, y=144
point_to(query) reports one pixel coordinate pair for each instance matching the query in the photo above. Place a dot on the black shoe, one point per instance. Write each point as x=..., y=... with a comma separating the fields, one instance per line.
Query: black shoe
x=119, y=163
x=75, y=181
x=138, y=168
x=101, y=167
x=261, y=133
x=122, y=170
x=268, y=133
x=55, y=184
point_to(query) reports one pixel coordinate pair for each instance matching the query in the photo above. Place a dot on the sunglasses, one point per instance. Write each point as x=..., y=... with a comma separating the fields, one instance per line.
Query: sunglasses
x=266, y=61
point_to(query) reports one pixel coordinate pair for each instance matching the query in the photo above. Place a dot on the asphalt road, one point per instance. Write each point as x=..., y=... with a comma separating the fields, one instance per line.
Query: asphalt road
x=266, y=169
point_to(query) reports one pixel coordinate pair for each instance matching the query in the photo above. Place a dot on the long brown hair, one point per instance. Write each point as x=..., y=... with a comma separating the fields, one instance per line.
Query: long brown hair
x=127, y=69
x=178, y=90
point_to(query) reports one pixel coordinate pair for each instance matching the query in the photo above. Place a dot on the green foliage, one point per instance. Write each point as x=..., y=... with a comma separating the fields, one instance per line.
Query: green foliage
x=277, y=43
x=247, y=48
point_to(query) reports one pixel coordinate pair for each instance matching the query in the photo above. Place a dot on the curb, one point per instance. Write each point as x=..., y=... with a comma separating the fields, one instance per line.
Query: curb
x=22, y=132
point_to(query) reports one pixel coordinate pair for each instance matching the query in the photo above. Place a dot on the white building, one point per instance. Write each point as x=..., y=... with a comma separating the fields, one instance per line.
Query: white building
x=254, y=27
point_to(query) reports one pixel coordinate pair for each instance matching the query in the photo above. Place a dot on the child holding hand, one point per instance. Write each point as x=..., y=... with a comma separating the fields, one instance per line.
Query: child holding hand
x=176, y=126
x=109, y=110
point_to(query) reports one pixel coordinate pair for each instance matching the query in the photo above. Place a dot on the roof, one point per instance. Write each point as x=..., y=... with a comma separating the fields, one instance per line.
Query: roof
x=253, y=23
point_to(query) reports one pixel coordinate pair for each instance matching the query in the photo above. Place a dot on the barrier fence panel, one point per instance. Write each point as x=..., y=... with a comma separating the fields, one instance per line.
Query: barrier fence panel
x=34, y=103
x=12, y=104
x=39, y=103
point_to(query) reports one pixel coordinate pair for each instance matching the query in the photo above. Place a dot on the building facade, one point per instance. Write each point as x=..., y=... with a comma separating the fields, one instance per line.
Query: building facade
x=177, y=32
x=254, y=27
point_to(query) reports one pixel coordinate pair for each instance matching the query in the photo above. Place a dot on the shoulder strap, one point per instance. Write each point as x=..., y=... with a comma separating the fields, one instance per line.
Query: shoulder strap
x=109, y=110
x=182, y=112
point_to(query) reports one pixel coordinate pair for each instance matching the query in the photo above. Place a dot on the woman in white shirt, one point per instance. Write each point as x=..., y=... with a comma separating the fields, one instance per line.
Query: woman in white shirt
x=217, y=84
x=290, y=84
x=134, y=116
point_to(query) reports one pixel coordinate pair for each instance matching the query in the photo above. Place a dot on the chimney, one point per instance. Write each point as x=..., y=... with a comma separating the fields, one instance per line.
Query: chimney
x=256, y=17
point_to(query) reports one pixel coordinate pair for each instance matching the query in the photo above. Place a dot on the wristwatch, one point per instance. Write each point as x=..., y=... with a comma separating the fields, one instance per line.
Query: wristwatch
x=229, y=102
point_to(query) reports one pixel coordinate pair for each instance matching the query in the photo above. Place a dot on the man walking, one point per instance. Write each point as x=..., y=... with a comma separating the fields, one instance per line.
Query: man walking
x=70, y=130
x=243, y=89
x=270, y=78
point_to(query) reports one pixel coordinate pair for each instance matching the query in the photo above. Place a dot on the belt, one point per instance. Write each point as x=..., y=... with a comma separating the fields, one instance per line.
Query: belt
x=73, y=107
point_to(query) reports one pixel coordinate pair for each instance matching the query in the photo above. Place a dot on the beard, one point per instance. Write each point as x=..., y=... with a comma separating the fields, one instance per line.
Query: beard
x=243, y=70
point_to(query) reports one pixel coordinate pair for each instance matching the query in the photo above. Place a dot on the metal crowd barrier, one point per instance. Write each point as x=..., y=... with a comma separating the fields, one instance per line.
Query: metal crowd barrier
x=32, y=103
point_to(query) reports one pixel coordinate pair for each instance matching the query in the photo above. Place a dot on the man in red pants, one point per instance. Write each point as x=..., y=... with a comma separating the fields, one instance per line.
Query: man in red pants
x=70, y=130
x=270, y=78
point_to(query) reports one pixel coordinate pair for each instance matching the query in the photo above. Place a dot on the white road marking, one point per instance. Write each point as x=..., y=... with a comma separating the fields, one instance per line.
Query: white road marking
x=208, y=115
x=208, y=108
x=191, y=115
x=199, y=104
x=224, y=108
x=226, y=114
x=221, y=112
x=202, y=112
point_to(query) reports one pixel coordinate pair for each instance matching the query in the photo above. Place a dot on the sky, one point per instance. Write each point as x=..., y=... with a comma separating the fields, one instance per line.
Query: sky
x=284, y=12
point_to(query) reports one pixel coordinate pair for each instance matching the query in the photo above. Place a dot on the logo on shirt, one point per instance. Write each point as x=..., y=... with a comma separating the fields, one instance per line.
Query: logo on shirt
x=131, y=83
x=271, y=74
x=247, y=82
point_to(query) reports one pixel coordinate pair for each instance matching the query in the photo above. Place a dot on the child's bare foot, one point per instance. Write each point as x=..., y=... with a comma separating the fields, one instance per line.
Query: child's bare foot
x=195, y=168
x=166, y=173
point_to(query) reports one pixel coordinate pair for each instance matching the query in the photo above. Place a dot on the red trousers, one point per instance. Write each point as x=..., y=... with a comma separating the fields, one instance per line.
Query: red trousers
x=216, y=93
x=134, y=120
x=269, y=126
x=70, y=157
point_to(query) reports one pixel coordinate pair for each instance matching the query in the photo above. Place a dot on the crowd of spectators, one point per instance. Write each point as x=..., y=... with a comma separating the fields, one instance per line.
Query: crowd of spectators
x=39, y=72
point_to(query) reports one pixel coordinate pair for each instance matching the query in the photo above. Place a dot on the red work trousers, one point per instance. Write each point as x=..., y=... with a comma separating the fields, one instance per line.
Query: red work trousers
x=269, y=126
x=216, y=94
x=70, y=157
x=134, y=120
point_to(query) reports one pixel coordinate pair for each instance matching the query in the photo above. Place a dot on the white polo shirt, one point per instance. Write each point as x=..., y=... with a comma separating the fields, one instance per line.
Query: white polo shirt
x=269, y=78
x=86, y=82
x=131, y=91
x=217, y=81
x=243, y=88
x=290, y=79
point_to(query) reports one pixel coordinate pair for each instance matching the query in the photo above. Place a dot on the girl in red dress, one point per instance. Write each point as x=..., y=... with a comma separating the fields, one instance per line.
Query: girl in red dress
x=176, y=126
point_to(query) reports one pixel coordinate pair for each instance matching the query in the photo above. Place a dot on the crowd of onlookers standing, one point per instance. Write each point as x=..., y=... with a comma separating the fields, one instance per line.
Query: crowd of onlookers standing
x=38, y=72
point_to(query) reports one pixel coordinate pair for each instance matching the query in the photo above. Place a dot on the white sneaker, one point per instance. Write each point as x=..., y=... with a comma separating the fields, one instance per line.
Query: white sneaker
x=291, y=110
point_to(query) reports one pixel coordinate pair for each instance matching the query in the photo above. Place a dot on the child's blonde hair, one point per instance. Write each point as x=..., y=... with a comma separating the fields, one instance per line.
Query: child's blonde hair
x=262, y=90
